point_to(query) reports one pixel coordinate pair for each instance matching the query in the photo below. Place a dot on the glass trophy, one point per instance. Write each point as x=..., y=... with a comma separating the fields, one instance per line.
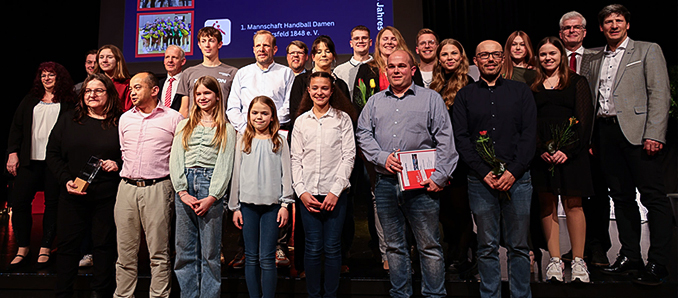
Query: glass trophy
x=87, y=174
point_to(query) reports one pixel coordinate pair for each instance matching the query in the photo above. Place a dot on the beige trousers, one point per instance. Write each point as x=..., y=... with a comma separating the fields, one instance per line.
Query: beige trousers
x=146, y=209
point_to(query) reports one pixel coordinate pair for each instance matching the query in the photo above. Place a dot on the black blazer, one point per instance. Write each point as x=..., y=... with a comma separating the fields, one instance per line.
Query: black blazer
x=20, y=131
x=176, y=101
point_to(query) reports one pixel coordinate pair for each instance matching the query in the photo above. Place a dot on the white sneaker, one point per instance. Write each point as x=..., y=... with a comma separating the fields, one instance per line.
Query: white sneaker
x=580, y=272
x=86, y=261
x=554, y=270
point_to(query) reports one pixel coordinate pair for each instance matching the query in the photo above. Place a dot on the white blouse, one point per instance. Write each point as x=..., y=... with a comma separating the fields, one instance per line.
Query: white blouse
x=45, y=115
x=323, y=152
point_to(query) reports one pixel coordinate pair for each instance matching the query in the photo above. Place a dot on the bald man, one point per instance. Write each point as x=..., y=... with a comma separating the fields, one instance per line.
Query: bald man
x=505, y=111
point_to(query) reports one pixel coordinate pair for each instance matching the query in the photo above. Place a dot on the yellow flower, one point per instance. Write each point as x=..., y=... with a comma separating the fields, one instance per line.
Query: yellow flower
x=372, y=84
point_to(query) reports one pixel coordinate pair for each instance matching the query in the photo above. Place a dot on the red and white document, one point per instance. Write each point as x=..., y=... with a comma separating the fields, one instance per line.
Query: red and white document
x=418, y=165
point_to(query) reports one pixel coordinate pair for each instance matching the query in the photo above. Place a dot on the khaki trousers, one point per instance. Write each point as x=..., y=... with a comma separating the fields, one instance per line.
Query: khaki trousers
x=146, y=209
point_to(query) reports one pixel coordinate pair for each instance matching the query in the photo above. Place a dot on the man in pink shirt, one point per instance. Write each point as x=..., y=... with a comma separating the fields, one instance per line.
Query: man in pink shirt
x=145, y=195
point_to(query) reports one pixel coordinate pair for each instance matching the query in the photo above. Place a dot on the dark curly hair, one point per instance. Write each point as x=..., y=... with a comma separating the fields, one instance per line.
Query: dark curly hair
x=338, y=100
x=63, y=86
x=112, y=108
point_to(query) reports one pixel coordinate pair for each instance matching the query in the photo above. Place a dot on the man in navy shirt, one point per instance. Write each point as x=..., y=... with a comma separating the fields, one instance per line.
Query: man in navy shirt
x=505, y=111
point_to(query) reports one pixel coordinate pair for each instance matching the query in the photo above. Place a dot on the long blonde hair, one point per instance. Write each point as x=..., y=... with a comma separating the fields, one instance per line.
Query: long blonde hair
x=218, y=114
x=459, y=78
x=402, y=45
x=273, y=127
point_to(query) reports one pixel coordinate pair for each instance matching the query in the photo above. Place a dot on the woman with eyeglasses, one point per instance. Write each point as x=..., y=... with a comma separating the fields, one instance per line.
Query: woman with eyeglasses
x=50, y=96
x=518, y=58
x=81, y=136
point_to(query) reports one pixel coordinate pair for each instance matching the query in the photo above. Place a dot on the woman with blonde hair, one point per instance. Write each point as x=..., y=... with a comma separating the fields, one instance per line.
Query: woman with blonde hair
x=388, y=41
x=450, y=75
x=201, y=162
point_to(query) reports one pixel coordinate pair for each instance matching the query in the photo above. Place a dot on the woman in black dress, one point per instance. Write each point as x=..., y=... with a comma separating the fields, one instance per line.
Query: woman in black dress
x=561, y=94
x=449, y=75
x=90, y=130
x=51, y=96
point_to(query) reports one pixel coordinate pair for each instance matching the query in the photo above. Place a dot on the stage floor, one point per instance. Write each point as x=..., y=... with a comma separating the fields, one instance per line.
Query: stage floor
x=365, y=277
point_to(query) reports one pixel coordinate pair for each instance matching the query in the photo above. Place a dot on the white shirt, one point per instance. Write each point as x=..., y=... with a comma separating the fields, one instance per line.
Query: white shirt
x=175, y=86
x=323, y=152
x=580, y=55
x=45, y=115
x=250, y=82
x=608, y=72
x=427, y=76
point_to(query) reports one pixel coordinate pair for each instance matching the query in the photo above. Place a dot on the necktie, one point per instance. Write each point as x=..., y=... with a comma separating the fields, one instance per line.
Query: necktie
x=168, y=94
x=573, y=61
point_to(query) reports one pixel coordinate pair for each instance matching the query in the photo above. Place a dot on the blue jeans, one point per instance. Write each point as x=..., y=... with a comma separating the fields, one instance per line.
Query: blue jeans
x=421, y=210
x=260, y=235
x=198, y=240
x=489, y=206
x=323, y=233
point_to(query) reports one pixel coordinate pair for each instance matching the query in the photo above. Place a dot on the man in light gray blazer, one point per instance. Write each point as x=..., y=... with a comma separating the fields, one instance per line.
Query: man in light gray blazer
x=630, y=84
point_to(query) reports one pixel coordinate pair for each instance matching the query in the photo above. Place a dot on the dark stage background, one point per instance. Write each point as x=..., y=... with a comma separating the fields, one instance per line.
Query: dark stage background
x=62, y=31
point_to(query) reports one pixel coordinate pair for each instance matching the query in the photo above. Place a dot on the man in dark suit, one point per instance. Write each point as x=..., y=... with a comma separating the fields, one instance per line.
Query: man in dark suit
x=597, y=208
x=630, y=84
x=174, y=62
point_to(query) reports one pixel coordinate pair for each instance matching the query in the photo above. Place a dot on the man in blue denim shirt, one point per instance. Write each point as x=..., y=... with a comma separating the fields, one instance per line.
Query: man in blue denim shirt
x=506, y=111
x=401, y=118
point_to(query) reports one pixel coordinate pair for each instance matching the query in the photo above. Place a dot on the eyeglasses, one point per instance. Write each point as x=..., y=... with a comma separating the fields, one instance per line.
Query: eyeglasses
x=486, y=55
x=51, y=75
x=430, y=42
x=96, y=91
x=575, y=27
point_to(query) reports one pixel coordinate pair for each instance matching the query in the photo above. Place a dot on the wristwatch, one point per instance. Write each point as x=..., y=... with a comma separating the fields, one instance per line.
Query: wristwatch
x=284, y=205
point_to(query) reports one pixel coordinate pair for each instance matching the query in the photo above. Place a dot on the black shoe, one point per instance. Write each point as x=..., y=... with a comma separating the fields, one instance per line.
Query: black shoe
x=599, y=259
x=623, y=266
x=43, y=265
x=101, y=294
x=18, y=265
x=653, y=275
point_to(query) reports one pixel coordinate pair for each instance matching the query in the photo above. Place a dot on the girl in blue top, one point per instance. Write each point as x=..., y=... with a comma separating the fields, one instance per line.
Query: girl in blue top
x=260, y=192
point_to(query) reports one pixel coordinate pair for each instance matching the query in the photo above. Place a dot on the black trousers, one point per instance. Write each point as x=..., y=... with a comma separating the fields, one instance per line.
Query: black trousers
x=76, y=215
x=597, y=211
x=29, y=180
x=627, y=167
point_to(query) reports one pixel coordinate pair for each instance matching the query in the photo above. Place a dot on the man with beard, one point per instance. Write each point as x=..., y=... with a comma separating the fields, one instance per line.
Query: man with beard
x=503, y=110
